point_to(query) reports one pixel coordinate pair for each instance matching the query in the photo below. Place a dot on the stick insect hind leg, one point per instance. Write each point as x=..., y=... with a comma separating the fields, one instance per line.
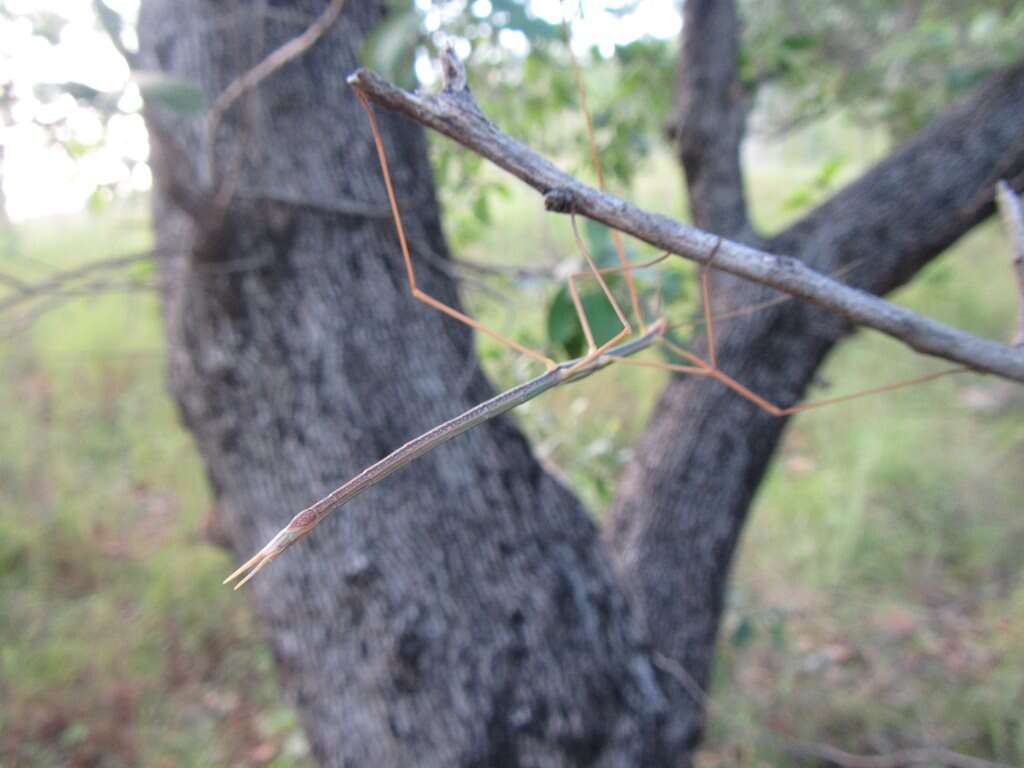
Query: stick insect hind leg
x=698, y=366
x=701, y=367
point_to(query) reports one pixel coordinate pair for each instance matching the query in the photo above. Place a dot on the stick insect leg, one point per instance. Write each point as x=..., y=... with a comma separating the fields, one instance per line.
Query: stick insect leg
x=596, y=160
x=752, y=396
x=693, y=370
x=772, y=408
x=575, y=295
x=418, y=294
x=627, y=330
x=705, y=290
x=701, y=367
x=752, y=309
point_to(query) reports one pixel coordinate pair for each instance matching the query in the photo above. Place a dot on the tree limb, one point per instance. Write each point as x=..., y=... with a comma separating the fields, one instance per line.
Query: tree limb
x=454, y=113
x=711, y=118
x=1012, y=211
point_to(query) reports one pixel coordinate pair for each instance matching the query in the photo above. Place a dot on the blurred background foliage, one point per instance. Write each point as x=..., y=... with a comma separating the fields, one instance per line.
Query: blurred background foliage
x=878, y=600
x=884, y=64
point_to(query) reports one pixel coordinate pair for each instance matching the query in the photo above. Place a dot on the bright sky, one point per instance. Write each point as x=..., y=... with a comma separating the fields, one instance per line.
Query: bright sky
x=37, y=178
x=41, y=180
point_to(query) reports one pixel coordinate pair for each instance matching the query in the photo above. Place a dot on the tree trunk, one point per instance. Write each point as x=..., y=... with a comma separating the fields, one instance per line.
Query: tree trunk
x=710, y=118
x=464, y=613
x=682, y=504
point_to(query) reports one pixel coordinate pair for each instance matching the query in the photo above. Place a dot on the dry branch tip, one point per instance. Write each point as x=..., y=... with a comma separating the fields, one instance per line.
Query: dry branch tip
x=1012, y=212
x=452, y=71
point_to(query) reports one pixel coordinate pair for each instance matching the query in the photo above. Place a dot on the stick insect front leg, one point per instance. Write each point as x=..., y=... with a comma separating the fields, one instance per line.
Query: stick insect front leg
x=410, y=272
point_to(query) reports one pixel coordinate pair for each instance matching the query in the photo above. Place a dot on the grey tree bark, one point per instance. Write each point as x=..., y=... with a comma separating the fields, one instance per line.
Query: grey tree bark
x=465, y=612
x=682, y=504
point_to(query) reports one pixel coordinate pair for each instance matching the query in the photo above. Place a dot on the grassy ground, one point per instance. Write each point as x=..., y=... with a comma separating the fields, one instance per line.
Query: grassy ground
x=116, y=647
x=878, y=600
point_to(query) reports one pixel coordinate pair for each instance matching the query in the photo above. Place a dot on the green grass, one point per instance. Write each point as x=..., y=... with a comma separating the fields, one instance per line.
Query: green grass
x=114, y=648
x=877, y=603
x=886, y=544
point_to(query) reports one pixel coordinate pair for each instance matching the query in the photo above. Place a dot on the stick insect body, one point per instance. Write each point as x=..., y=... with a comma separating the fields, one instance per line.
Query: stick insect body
x=626, y=342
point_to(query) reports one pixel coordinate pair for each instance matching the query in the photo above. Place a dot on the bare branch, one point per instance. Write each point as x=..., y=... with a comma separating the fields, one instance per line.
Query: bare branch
x=454, y=113
x=67, y=282
x=710, y=118
x=1012, y=211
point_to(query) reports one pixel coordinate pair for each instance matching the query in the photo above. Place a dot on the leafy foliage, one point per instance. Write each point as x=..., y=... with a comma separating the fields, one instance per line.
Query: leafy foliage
x=521, y=72
x=73, y=112
x=894, y=64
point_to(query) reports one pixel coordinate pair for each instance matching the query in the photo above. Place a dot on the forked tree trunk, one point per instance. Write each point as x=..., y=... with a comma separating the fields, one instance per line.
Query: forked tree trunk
x=464, y=613
x=682, y=504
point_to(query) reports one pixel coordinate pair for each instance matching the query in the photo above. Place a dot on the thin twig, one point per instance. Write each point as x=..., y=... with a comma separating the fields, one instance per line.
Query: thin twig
x=268, y=66
x=1012, y=211
x=454, y=113
x=59, y=282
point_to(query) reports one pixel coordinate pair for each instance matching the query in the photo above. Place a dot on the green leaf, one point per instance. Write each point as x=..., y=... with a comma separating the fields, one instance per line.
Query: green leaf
x=76, y=149
x=827, y=173
x=797, y=200
x=168, y=91
x=99, y=199
x=603, y=321
x=79, y=91
x=564, y=330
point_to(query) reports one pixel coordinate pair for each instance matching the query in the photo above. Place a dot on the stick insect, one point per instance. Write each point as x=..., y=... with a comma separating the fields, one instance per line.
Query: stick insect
x=633, y=336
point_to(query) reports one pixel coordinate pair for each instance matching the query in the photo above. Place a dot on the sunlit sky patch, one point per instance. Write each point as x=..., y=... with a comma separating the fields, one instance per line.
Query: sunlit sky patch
x=40, y=179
